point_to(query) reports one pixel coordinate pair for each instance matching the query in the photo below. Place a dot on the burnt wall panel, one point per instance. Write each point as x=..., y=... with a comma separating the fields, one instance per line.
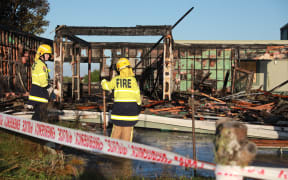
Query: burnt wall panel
x=17, y=51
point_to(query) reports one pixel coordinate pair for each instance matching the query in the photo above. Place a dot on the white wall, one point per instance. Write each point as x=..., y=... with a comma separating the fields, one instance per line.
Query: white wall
x=277, y=73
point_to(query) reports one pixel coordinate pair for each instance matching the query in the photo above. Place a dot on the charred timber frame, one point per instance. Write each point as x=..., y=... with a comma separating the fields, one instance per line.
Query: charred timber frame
x=151, y=59
x=115, y=31
x=167, y=67
x=70, y=32
x=17, y=51
x=58, y=66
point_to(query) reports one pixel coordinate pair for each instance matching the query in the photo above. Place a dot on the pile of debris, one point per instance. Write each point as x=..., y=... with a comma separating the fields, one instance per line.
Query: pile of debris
x=253, y=106
x=259, y=107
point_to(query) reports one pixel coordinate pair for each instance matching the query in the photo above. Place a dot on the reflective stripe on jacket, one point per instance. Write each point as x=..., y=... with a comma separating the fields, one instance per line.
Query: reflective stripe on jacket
x=125, y=113
x=38, y=91
x=38, y=95
x=127, y=99
x=39, y=99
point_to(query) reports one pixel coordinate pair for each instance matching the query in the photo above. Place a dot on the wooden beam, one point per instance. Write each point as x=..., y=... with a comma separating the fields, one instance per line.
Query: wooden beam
x=115, y=31
x=26, y=35
x=77, y=40
x=220, y=46
x=116, y=45
x=169, y=33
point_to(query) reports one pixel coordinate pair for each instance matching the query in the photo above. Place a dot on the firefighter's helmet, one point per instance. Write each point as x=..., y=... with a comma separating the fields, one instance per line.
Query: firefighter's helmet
x=44, y=49
x=122, y=63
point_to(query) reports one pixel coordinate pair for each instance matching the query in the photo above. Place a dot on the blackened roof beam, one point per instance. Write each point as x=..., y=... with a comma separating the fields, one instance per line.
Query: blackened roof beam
x=115, y=31
x=78, y=40
x=21, y=33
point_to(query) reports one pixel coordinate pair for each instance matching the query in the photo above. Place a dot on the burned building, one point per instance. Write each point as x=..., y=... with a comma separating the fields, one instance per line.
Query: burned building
x=284, y=32
x=235, y=65
x=172, y=66
x=17, y=51
x=147, y=65
x=167, y=67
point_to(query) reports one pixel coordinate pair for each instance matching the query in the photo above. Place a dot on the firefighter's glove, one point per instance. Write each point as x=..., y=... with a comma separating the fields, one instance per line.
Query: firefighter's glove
x=56, y=92
x=105, y=86
x=139, y=109
x=50, y=90
x=27, y=106
x=103, y=81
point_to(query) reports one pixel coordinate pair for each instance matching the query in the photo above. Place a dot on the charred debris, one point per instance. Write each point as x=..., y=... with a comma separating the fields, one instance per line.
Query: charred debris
x=244, y=80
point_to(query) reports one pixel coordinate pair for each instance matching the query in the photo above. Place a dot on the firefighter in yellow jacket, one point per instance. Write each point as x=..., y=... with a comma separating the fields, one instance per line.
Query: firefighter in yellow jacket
x=127, y=100
x=38, y=93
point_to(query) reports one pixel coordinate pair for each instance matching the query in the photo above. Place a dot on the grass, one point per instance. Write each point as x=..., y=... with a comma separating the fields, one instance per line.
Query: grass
x=22, y=158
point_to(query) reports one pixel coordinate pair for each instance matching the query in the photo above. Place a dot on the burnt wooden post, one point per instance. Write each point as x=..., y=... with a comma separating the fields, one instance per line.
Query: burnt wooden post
x=58, y=66
x=232, y=148
x=192, y=115
x=76, y=53
x=77, y=78
x=89, y=70
x=72, y=53
x=167, y=67
x=103, y=74
x=234, y=56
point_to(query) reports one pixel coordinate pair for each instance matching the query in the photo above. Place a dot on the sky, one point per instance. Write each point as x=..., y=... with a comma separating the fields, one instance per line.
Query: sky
x=209, y=20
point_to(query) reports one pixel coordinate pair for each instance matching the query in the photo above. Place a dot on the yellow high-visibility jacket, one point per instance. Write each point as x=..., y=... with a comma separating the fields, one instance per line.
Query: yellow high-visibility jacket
x=38, y=91
x=126, y=89
x=40, y=74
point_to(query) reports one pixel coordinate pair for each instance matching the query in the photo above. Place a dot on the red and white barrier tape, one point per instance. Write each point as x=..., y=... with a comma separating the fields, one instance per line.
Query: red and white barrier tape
x=102, y=144
x=236, y=172
x=97, y=143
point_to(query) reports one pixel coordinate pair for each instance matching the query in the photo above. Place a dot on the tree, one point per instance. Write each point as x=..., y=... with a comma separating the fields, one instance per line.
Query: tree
x=95, y=76
x=67, y=79
x=24, y=15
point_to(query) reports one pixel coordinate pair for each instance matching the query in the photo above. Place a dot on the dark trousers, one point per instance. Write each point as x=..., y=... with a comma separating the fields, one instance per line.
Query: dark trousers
x=40, y=112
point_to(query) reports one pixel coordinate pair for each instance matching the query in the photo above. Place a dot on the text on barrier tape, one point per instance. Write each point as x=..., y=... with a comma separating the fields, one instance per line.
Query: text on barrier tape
x=97, y=143
x=102, y=144
x=252, y=171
